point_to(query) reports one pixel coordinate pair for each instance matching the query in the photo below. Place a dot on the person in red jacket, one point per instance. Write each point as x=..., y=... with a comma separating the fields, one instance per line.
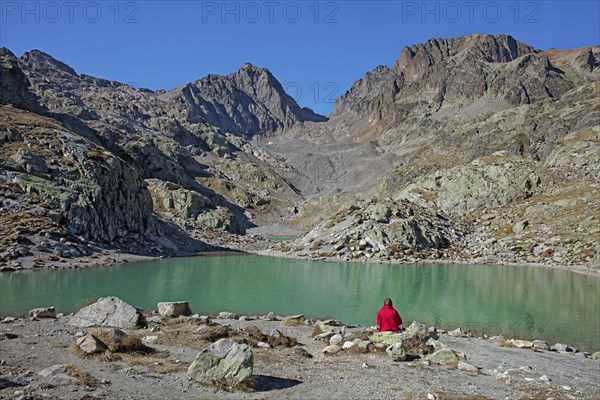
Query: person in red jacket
x=388, y=318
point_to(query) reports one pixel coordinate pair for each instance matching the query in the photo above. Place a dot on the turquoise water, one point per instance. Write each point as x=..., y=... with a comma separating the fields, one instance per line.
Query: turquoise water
x=517, y=302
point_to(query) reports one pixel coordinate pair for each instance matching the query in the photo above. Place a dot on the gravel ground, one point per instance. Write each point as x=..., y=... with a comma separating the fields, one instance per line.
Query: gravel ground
x=505, y=373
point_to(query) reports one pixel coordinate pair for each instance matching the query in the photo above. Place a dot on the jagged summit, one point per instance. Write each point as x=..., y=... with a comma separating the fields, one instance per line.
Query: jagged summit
x=250, y=101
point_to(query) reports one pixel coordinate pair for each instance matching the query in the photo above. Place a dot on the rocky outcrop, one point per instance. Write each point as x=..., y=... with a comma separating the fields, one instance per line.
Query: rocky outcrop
x=223, y=362
x=249, y=101
x=378, y=230
x=110, y=312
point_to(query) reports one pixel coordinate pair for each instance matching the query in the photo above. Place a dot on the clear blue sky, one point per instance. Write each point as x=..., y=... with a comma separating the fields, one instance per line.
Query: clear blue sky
x=315, y=49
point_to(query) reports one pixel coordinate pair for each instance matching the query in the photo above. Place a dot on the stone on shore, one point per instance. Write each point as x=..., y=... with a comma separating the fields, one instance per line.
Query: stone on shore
x=541, y=345
x=443, y=356
x=108, y=311
x=46, y=312
x=223, y=362
x=227, y=315
x=596, y=356
x=561, y=347
x=174, y=309
x=396, y=352
x=521, y=344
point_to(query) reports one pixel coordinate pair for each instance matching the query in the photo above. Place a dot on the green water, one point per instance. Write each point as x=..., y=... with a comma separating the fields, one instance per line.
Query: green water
x=517, y=302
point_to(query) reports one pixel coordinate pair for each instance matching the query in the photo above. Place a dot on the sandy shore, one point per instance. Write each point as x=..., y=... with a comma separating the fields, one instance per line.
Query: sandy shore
x=28, y=347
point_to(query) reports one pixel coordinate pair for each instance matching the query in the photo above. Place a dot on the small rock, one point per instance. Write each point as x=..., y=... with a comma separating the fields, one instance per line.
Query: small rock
x=465, y=366
x=457, y=333
x=90, y=345
x=263, y=345
x=560, y=347
x=53, y=370
x=544, y=378
x=332, y=349
x=596, y=356
x=271, y=316
x=336, y=339
x=541, y=345
x=227, y=315
x=567, y=388
x=8, y=320
x=432, y=396
x=348, y=345
x=521, y=344
x=396, y=352
x=150, y=339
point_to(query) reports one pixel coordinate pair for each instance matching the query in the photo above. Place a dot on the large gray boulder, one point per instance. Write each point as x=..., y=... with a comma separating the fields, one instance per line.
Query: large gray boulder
x=108, y=311
x=173, y=309
x=223, y=362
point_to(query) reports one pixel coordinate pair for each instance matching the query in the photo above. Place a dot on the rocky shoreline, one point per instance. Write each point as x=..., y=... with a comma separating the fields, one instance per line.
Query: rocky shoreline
x=113, y=350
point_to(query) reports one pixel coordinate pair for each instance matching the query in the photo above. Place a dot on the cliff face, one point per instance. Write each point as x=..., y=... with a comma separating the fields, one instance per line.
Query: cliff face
x=249, y=102
x=14, y=85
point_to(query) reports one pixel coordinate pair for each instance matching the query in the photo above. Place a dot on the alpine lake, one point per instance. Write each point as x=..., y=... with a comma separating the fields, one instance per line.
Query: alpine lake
x=514, y=301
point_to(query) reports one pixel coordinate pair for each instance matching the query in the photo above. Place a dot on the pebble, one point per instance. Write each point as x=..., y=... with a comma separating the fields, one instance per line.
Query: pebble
x=544, y=378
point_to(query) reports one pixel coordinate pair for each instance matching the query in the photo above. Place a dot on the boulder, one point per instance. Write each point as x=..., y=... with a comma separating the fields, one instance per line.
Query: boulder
x=223, y=362
x=89, y=344
x=173, y=309
x=108, y=311
x=596, y=356
x=48, y=312
x=396, y=352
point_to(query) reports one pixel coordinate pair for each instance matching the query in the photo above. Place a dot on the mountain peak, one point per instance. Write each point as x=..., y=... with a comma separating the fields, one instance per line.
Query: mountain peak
x=37, y=59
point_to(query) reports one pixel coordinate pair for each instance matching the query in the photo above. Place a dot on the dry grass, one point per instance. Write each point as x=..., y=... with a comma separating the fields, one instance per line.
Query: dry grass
x=157, y=362
x=84, y=378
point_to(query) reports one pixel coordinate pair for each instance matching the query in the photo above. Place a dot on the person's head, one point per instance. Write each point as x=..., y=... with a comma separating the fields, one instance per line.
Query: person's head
x=387, y=302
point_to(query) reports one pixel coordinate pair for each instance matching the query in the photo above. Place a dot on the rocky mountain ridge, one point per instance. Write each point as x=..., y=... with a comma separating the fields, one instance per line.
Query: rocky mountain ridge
x=491, y=143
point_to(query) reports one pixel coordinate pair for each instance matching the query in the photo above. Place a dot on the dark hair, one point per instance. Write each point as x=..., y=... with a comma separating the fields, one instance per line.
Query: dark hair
x=387, y=302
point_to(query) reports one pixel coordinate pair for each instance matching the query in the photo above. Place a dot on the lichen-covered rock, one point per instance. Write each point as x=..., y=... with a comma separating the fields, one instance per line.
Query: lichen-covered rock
x=386, y=338
x=108, y=311
x=176, y=201
x=223, y=219
x=443, y=356
x=223, y=362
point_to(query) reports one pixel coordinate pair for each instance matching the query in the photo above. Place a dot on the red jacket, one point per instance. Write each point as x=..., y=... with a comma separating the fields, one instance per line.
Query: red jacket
x=388, y=319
